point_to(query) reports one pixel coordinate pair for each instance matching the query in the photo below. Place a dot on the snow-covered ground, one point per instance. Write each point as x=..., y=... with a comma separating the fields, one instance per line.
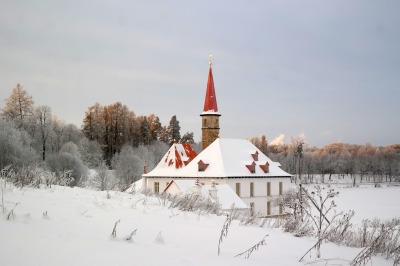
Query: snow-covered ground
x=78, y=225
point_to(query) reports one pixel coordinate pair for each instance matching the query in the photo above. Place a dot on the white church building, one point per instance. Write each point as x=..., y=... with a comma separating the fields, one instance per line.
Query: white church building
x=223, y=163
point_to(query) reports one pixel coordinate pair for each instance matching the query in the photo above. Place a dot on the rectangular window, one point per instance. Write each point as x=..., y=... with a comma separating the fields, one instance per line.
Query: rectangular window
x=156, y=187
x=268, y=188
x=280, y=209
x=268, y=208
x=252, y=208
x=238, y=189
x=251, y=189
x=280, y=188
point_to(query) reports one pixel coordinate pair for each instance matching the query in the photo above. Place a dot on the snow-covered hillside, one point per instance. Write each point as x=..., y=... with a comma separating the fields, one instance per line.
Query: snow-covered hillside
x=73, y=226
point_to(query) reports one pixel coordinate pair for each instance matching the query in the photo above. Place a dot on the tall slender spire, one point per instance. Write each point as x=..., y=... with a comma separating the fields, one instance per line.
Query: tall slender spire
x=210, y=103
x=210, y=115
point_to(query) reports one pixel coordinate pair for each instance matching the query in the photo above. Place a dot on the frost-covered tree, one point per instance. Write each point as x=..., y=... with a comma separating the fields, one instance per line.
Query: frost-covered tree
x=103, y=176
x=91, y=152
x=58, y=132
x=71, y=148
x=19, y=106
x=128, y=166
x=15, y=146
x=43, y=121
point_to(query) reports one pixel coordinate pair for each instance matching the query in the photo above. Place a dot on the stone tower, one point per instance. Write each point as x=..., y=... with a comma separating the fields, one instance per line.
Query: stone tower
x=210, y=115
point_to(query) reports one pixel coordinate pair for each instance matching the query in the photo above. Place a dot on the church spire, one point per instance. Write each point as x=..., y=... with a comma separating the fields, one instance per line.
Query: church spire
x=210, y=115
x=210, y=103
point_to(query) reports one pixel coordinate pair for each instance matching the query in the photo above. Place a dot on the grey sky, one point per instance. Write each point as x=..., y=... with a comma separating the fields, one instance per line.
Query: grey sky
x=328, y=70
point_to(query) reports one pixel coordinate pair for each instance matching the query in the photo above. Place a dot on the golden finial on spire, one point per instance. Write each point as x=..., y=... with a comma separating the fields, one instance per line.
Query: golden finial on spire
x=210, y=56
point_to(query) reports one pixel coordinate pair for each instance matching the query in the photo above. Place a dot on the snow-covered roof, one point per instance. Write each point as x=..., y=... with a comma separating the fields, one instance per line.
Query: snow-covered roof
x=227, y=158
x=210, y=112
x=226, y=196
x=177, y=157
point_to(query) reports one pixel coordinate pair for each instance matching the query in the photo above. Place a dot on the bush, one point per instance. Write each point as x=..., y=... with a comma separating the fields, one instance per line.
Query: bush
x=66, y=161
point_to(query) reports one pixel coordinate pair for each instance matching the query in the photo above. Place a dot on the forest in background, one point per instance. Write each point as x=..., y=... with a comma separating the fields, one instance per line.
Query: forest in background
x=114, y=137
x=371, y=163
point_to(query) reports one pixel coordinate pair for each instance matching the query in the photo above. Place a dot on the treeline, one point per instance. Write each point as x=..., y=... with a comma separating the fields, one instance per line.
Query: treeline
x=114, y=125
x=372, y=163
x=112, y=137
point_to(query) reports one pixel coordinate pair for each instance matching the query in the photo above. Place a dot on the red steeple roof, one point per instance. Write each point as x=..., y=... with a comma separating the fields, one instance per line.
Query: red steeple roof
x=210, y=103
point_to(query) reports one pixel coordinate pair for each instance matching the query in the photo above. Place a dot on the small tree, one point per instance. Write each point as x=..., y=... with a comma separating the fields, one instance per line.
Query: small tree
x=322, y=204
x=103, y=176
x=128, y=166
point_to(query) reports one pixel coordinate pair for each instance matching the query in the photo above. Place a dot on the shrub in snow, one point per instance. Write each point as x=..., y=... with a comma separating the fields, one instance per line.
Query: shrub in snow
x=67, y=161
x=128, y=166
x=225, y=229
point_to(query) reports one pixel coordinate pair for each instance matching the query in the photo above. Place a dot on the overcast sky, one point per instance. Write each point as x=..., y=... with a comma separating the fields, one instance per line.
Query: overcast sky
x=325, y=70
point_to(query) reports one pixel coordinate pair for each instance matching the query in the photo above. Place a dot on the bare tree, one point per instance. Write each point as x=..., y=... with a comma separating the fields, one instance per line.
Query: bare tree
x=321, y=201
x=19, y=106
x=43, y=125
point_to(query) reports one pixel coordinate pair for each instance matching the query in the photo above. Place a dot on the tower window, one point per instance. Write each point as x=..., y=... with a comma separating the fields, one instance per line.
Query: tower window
x=268, y=188
x=280, y=188
x=251, y=189
x=205, y=122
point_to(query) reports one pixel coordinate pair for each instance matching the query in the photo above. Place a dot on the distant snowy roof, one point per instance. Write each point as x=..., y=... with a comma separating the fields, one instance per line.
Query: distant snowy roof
x=227, y=158
x=226, y=196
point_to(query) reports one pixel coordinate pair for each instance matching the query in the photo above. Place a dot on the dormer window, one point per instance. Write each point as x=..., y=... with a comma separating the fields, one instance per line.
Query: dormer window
x=252, y=167
x=202, y=166
x=255, y=156
x=265, y=167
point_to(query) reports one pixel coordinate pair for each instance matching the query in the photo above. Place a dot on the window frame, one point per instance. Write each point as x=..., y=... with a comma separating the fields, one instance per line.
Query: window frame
x=157, y=187
x=238, y=189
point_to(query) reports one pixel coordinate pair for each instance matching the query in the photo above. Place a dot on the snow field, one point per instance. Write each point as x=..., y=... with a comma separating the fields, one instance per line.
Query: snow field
x=79, y=222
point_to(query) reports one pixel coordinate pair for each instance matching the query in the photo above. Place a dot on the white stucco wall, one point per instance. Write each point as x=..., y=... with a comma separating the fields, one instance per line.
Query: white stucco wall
x=260, y=197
